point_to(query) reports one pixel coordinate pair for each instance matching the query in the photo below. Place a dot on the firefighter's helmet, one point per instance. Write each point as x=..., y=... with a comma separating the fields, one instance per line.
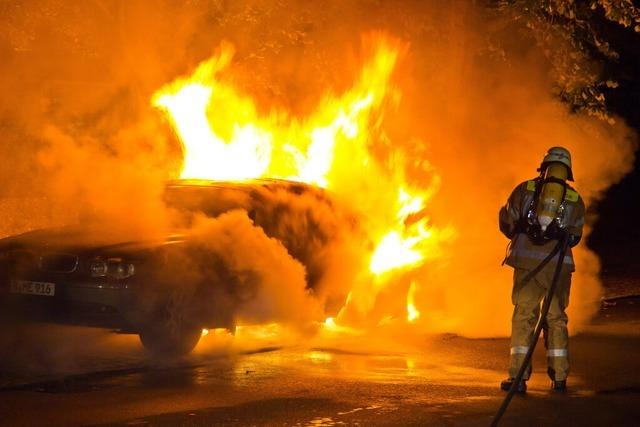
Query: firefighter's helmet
x=559, y=155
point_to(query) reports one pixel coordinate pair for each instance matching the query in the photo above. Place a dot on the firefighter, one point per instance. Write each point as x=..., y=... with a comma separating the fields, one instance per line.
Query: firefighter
x=537, y=215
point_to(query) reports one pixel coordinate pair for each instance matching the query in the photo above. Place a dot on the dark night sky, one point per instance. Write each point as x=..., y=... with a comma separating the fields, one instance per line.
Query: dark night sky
x=616, y=235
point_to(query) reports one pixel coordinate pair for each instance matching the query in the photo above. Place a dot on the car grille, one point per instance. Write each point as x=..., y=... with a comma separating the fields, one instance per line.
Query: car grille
x=58, y=263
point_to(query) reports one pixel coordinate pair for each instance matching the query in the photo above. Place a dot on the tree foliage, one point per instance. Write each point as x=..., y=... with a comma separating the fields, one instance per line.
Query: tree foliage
x=570, y=34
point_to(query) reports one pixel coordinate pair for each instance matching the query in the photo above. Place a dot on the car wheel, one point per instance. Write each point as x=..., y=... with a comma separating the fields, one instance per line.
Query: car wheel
x=169, y=333
x=165, y=341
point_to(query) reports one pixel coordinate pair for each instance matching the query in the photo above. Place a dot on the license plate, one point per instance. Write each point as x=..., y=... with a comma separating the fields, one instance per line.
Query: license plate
x=33, y=288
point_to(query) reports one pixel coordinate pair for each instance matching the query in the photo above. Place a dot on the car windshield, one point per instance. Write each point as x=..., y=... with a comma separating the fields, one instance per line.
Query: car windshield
x=211, y=200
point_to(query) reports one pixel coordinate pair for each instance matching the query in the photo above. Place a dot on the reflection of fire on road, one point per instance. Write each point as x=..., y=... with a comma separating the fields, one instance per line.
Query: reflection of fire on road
x=337, y=147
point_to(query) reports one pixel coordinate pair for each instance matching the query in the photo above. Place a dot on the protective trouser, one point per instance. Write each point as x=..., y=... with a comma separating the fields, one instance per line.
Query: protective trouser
x=527, y=298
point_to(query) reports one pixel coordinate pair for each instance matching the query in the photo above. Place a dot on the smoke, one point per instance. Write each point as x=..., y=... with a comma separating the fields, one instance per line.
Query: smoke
x=258, y=276
x=80, y=139
x=487, y=127
x=268, y=257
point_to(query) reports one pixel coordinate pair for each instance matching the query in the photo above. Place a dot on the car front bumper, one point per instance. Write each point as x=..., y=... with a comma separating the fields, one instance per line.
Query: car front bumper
x=78, y=302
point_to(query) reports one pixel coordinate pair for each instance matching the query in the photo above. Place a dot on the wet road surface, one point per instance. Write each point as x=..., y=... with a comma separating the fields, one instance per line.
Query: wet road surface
x=106, y=379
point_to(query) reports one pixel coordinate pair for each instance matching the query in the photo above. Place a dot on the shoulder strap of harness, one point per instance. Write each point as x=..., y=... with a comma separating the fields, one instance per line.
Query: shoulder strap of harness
x=539, y=183
x=572, y=195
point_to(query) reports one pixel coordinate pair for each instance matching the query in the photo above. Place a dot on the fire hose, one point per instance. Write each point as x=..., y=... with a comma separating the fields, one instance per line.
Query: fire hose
x=560, y=248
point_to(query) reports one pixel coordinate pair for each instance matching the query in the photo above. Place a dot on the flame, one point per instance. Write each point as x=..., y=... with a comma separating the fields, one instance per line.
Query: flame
x=330, y=326
x=192, y=104
x=400, y=247
x=318, y=356
x=224, y=137
x=412, y=312
x=330, y=323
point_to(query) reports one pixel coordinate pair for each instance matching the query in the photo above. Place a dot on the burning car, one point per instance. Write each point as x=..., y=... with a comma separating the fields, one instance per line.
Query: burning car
x=166, y=291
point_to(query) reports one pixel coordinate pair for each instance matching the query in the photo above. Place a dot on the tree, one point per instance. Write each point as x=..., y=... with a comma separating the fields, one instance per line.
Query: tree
x=572, y=35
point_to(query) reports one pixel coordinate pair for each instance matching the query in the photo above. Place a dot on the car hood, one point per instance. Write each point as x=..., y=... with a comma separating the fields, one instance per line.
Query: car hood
x=86, y=239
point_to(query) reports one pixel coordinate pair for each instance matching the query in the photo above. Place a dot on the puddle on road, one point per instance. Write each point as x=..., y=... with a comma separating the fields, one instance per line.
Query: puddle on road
x=245, y=370
x=359, y=409
x=330, y=421
x=242, y=361
x=322, y=422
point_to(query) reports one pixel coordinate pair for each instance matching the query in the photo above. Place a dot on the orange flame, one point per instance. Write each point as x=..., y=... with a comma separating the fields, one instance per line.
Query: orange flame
x=413, y=313
x=225, y=138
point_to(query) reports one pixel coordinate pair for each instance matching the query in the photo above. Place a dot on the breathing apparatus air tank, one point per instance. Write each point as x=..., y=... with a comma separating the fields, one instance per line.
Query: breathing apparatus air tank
x=552, y=194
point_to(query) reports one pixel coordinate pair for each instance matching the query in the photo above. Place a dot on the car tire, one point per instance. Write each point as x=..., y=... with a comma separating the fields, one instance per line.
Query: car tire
x=166, y=341
x=169, y=331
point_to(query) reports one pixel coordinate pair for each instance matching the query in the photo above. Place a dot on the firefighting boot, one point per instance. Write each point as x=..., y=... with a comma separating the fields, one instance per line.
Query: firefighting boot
x=506, y=385
x=559, y=385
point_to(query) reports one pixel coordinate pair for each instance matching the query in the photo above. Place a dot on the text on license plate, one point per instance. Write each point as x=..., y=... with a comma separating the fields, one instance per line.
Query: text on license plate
x=33, y=288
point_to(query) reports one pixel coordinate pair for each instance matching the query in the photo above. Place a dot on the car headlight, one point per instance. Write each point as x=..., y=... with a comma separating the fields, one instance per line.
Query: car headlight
x=98, y=268
x=114, y=268
x=120, y=270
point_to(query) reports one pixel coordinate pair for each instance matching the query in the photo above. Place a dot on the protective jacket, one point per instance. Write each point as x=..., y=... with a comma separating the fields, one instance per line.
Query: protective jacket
x=523, y=251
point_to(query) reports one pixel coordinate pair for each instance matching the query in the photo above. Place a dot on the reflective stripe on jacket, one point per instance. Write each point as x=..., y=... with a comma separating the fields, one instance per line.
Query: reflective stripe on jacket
x=523, y=253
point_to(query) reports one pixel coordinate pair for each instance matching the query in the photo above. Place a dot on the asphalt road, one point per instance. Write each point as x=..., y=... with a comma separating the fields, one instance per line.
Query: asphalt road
x=106, y=379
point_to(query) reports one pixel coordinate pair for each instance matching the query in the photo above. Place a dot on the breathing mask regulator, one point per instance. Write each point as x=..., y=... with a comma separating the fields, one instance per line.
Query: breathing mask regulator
x=545, y=217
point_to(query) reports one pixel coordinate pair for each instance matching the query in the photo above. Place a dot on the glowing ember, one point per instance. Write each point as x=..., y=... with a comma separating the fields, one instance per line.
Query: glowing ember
x=225, y=138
